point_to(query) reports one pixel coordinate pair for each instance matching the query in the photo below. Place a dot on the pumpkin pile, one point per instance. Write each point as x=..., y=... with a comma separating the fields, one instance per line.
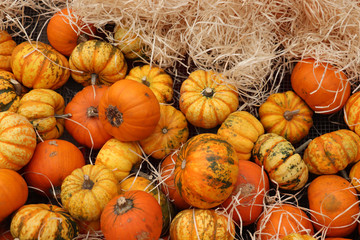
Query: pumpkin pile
x=135, y=153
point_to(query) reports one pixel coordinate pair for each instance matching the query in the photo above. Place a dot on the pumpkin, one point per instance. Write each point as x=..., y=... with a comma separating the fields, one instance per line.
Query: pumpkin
x=65, y=31
x=156, y=79
x=13, y=192
x=38, y=65
x=86, y=191
x=322, y=86
x=332, y=152
x=43, y=221
x=206, y=100
x=84, y=124
x=170, y=133
x=206, y=170
x=44, y=108
x=297, y=236
x=201, y=224
x=119, y=157
x=144, y=184
x=287, y=115
x=18, y=140
x=354, y=176
x=334, y=208
x=53, y=160
x=245, y=203
x=132, y=215
x=97, y=62
x=11, y=92
x=128, y=42
x=92, y=227
x=7, y=45
x=281, y=220
x=241, y=129
x=129, y=111
x=352, y=113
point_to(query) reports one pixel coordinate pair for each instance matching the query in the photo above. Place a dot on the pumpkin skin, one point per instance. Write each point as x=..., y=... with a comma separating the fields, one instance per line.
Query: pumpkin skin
x=206, y=100
x=43, y=221
x=129, y=111
x=87, y=190
x=332, y=152
x=18, y=140
x=195, y=224
x=287, y=115
x=170, y=133
x=97, y=62
x=38, y=65
x=206, y=170
x=83, y=108
x=156, y=79
x=333, y=207
x=65, y=31
x=352, y=113
x=246, y=201
x=323, y=87
x=42, y=108
x=241, y=129
x=282, y=220
x=7, y=45
x=130, y=45
x=53, y=160
x=11, y=92
x=354, y=176
x=13, y=191
x=132, y=215
x=297, y=236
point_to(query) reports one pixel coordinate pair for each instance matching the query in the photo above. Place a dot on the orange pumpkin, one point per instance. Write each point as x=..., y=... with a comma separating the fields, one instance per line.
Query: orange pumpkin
x=322, y=86
x=352, y=113
x=129, y=111
x=7, y=45
x=354, y=176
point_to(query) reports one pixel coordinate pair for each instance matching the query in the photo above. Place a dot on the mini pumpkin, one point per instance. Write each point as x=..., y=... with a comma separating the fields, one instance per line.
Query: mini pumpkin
x=352, y=113
x=128, y=42
x=297, y=236
x=354, y=176
x=11, y=92
x=7, y=45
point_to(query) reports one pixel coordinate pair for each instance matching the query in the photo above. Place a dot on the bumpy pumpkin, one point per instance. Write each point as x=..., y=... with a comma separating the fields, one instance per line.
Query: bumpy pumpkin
x=156, y=79
x=281, y=162
x=43, y=222
x=170, y=133
x=352, y=113
x=18, y=140
x=84, y=124
x=134, y=214
x=128, y=42
x=44, y=108
x=241, y=129
x=206, y=170
x=297, y=236
x=97, y=62
x=7, y=45
x=201, y=224
x=38, y=65
x=287, y=115
x=206, y=100
x=129, y=110
x=332, y=152
x=86, y=191
x=354, y=176
x=10, y=92
x=322, y=86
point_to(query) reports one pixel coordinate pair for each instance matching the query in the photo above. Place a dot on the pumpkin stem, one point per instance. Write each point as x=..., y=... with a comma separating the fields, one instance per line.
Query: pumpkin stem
x=123, y=205
x=114, y=116
x=302, y=146
x=92, y=112
x=56, y=192
x=183, y=164
x=288, y=115
x=63, y=115
x=208, y=92
x=164, y=130
x=344, y=174
x=88, y=183
x=145, y=81
x=18, y=87
x=82, y=38
x=94, y=76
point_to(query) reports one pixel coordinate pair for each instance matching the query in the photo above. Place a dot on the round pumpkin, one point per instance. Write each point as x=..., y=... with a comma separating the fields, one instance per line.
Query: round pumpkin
x=354, y=176
x=97, y=62
x=206, y=170
x=13, y=192
x=7, y=45
x=86, y=191
x=18, y=140
x=170, y=133
x=84, y=124
x=201, y=224
x=332, y=152
x=297, y=236
x=134, y=214
x=65, y=31
x=128, y=42
x=38, y=65
x=281, y=162
x=129, y=111
x=43, y=221
x=11, y=92
x=287, y=115
x=333, y=208
x=156, y=79
x=206, y=100
x=44, y=108
x=241, y=129
x=352, y=112
x=53, y=160
x=322, y=86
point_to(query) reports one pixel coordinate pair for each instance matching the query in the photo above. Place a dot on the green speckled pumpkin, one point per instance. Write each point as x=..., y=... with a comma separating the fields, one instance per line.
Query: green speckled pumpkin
x=10, y=92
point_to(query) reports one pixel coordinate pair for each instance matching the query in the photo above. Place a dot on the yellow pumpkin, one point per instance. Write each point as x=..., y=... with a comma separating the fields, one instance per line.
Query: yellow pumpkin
x=128, y=42
x=352, y=113
x=298, y=236
x=11, y=92
x=7, y=45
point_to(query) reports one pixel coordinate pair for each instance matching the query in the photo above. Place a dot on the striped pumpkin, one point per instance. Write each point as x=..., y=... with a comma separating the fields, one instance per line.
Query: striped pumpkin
x=7, y=45
x=10, y=92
